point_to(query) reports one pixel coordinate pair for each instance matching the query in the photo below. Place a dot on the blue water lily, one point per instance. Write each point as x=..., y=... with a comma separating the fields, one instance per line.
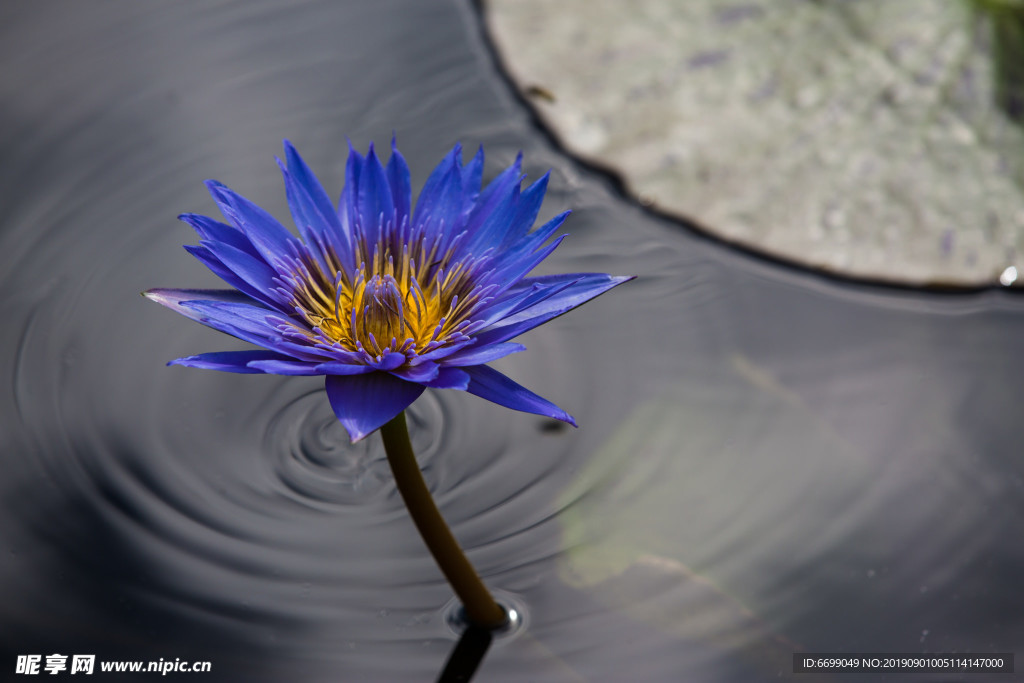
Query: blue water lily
x=383, y=299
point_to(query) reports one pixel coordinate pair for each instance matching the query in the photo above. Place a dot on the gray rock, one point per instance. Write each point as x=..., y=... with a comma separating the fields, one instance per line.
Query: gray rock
x=865, y=137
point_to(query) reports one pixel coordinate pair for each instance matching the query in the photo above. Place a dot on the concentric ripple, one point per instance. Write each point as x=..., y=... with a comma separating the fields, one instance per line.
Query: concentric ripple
x=316, y=461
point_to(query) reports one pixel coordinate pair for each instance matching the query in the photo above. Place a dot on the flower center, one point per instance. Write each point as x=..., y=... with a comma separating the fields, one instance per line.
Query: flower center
x=383, y=317
x=388, y=304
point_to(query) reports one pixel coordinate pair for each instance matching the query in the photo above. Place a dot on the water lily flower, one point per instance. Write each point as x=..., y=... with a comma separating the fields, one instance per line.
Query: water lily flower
x=383, y=299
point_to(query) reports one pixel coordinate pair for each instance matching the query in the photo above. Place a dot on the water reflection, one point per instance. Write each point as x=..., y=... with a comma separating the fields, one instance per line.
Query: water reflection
x=766, y=460
x=466, y=656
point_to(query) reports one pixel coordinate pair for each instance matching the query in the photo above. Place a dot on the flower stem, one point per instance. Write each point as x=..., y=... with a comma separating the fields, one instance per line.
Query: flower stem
x=481, y=609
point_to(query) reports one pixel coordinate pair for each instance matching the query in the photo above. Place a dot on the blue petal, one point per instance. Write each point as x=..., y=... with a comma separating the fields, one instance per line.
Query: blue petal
x=389, y=360
x=506, y=274
x=312, y=234
x=398, y=179
x=439, y=207
x=471, y=176
x=526, y=211
x=586, y=287
x=376, y=207
x=230, y=361
x=307, y=351
x=490, y=384
x=285, y=367
x=502, y=182
x=511, y=218
x=312, y=210
x=197, y=304
x=491, y=228
x=349, y=203
x=215, y=231
x=204, y=256
x=510, y=265
x=421, y=373
x=492, y=196
x=269, y=237
x=253, y=317
x=450, y=378
x=172, y=298
x=340, y=368
x=520, y=296
x=514, y=259
x=256, y=277
x=478, y=355
x=254, y=324
x=441, y=352
x=364, y=403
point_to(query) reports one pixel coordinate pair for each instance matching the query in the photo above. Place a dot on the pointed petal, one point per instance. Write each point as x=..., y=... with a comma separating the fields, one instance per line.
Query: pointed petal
x=439, y=207
x=490, y=384
x=256, y=276
x=520, y=296
x=510, y=217
x=313, y=234
x=509, y=273
x=376, y=207
x=231, y=361
x=521, y=252
x=312, y=210
x=472, y=173
x=196, y=303
x=490, y=230
x=172, y=298
x=363, y=403
x=316, y=204
x=254, y=324
x=526, y=211
x=586, y=287
x=478, y=355
x=502, y=181
x=398, y=179
x=204, y=256
x=492, y=195
x=268, y=236
x=348, y=205
x=215, y=231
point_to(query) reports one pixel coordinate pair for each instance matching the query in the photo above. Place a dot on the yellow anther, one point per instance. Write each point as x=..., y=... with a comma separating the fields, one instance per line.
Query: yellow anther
x=393, y=297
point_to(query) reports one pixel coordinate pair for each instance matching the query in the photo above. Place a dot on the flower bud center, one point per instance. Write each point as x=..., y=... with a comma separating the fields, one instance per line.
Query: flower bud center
x=386, y=304
x=383, y=315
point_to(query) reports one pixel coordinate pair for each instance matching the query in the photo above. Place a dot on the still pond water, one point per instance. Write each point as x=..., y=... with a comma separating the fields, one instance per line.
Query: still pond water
x=768, y=461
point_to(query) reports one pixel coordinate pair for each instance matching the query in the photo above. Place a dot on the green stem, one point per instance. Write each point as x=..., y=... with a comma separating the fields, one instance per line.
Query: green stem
x=481, y=609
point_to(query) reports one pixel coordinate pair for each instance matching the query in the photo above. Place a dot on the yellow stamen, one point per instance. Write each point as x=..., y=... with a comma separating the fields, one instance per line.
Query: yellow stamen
x=388, y=299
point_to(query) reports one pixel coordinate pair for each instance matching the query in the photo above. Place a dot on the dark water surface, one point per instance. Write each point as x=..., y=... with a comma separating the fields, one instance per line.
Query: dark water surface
x=767, y=462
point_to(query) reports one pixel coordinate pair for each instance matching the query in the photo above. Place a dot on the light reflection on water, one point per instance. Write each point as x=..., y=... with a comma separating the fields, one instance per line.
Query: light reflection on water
x=767, y=461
